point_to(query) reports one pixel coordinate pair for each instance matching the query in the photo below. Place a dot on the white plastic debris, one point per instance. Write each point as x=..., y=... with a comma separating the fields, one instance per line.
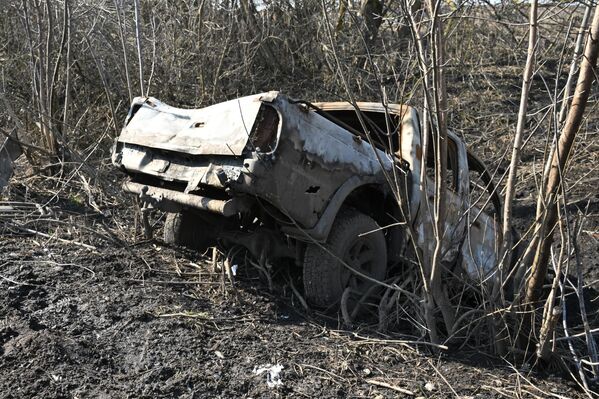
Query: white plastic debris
x=273, y=374
x=429, y=386
x=234, y=269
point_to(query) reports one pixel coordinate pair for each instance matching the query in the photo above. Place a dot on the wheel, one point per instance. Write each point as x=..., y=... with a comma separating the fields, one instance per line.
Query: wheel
x=186, y=229
x=326, y=278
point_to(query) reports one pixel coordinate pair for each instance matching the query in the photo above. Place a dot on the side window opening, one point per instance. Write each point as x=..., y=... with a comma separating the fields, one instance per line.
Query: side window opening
x=483, y=194
x=264, y=132
x=378, y=125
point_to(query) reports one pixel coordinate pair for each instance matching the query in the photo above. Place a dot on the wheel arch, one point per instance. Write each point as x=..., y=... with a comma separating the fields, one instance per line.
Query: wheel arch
x=371, y=200
x=366, y=195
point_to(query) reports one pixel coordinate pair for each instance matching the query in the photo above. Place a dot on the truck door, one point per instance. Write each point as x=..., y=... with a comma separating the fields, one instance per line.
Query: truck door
x=456, y=205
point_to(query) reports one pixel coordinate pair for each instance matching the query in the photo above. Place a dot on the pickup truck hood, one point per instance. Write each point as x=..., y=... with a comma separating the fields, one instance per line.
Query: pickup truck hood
x=221, y=129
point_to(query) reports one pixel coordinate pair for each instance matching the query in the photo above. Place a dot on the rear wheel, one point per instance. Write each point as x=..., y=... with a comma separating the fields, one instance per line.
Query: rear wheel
x=326, y=277
x=186, y=229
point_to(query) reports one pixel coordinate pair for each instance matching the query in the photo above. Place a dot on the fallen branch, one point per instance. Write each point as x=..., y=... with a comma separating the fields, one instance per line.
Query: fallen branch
x=392, y=387
x=65, y=241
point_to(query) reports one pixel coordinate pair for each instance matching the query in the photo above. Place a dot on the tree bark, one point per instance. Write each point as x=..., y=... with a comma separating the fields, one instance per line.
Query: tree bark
x=513, y=171
x=138, y=39
x=559, y=161
x=371, y=12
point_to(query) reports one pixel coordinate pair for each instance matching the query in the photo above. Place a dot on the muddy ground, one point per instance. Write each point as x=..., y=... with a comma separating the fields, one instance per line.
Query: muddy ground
x=105, y=314
x=152, y=321
x=131, y=318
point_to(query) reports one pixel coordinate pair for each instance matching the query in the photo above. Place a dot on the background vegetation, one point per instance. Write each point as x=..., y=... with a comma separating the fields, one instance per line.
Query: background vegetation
x=69, y=69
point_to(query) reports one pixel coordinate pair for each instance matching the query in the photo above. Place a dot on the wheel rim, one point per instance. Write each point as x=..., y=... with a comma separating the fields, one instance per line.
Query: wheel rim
x=360, y=256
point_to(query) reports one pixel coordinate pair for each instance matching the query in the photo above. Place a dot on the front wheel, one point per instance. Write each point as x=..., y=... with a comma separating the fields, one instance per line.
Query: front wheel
x=356, y=240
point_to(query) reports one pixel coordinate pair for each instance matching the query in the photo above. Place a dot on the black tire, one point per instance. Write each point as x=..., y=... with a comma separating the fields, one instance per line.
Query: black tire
x=186, y=229
x=326, y=278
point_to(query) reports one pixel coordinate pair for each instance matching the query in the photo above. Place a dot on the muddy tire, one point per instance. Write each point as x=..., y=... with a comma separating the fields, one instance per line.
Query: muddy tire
x=325, y=278
x=186, y=229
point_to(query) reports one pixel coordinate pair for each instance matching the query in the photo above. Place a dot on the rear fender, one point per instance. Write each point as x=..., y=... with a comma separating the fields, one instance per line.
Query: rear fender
x=321, y=230
x=346, y=195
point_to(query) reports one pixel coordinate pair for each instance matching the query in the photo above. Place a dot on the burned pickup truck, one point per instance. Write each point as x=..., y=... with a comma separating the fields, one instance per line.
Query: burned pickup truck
x=321, y=183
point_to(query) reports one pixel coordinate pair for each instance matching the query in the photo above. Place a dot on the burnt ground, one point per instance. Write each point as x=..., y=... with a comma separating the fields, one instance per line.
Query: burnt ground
x=130, y=318
x=125, y=323
x=148, y=320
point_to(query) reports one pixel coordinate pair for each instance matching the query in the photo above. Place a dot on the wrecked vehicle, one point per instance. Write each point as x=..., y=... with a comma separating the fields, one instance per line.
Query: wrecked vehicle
x=319, y=183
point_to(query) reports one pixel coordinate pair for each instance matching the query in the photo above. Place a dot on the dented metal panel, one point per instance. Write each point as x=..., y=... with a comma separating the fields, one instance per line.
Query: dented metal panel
x=221, y=129
x=480, y=248
x=268, y=153
x=314, y=157
x=481, y=245
x=320, y=139
x=410, y=148
x=170, y=168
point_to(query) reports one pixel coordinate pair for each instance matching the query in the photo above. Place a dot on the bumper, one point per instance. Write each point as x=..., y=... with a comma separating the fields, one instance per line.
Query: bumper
x=172, y=200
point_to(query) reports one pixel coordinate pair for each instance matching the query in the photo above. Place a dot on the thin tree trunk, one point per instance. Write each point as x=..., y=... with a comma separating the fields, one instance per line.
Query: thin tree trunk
x=425, y=258
x=441, y=174
x=371, y=11
x=530, y=249
x=517, y=147
x=575, y=59
x=341, y=16
x=559, y=160
x=63, y=43
x=125, y=58
x=507, y=236
x=67, y=84
x=440, y=204
x=139, y=47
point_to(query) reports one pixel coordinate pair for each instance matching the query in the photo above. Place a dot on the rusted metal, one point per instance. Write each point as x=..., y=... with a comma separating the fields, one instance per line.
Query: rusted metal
x=221, y=129
x=307, y=151
x=158, y=197
x=265, y=130
x=293, y=165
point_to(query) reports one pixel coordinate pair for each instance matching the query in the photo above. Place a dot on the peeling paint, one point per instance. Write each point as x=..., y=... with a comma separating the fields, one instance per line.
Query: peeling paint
x=302, y=164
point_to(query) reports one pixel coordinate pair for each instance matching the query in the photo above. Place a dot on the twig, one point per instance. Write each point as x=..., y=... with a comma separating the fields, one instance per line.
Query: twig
x=444, y=379
x=392, y=387
x=38, y=233
x=161, y=282
x=335, y=376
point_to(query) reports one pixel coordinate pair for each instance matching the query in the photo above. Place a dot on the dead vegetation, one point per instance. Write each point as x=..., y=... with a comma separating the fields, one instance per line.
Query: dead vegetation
x=69, y=70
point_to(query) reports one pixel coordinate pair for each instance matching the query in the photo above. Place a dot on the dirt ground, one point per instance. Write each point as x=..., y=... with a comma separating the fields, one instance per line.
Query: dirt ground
x=131, y=318
x=90, y=309
x=152, y=321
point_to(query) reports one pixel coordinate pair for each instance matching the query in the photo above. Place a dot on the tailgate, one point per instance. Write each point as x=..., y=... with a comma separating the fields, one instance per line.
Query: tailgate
x=221, y=129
